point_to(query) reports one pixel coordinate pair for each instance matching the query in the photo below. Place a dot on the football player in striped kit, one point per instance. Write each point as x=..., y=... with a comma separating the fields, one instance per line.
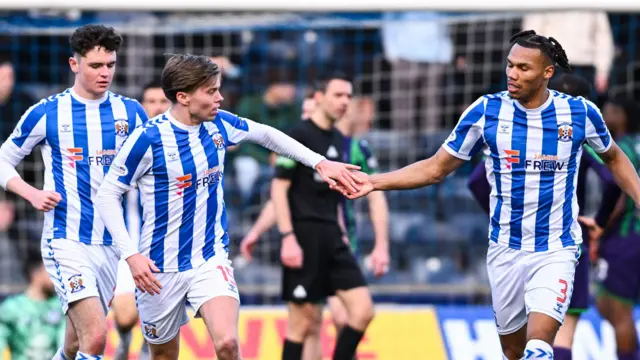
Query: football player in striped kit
x=177, y=162
x=79, y=132
x=533, y=139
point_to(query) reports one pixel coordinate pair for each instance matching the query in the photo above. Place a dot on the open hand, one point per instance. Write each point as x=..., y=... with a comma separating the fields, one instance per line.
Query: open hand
x=141, y=269
x=334, y=173
x=365, y=187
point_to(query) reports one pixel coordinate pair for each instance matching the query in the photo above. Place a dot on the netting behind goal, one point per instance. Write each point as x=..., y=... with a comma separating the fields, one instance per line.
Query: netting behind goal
x=438, y=234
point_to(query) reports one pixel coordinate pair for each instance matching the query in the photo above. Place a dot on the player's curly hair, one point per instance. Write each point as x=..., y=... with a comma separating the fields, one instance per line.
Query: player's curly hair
x=186, y=73
x=548, y=45
x=87, y=37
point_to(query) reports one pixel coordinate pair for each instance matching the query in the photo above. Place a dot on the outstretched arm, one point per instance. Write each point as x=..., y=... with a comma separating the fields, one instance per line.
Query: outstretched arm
x=240, y=129
x=422, y=173
x=466, y=140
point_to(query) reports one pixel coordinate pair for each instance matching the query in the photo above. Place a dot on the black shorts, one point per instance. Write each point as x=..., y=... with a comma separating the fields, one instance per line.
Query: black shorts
x=328, y=265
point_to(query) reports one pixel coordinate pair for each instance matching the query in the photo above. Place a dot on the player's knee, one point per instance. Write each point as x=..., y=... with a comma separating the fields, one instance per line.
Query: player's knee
x=308, y=320
x=227, y=347
x=362, y=315
x=94, y=340
x=339, y=320
x=127, y=321
x=316, y=327
x=125, y=312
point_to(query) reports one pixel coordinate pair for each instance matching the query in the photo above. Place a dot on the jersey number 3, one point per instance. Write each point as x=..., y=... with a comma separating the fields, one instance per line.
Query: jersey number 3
x=563, y=291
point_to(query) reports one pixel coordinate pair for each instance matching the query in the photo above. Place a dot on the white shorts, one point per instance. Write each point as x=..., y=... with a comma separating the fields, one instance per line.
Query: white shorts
x=523, y=282
x=161, y=316
x=125, y=283
x=79, y=270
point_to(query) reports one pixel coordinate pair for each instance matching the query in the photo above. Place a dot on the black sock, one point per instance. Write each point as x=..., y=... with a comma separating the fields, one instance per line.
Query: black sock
x=291, y=350
x=347, y=343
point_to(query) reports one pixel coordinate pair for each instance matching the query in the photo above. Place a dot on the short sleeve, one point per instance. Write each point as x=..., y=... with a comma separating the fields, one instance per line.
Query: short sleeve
x=467, y=138
x=134, y=159
x=30, y=130
x=233, y=128
x=597, y=135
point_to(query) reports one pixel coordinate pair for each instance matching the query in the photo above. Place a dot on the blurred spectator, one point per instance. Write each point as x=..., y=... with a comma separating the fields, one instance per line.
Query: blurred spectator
x=231, y=80
x=419, y=47
x=9, y=258
x=362, y=111
x=32, y=324
x=13, y=103
x=586, y=38
x=308, y=105
x=154, y=101
x=276, y=107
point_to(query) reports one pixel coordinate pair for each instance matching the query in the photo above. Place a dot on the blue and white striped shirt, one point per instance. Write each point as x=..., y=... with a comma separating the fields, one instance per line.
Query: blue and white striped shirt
x=179, y=172
x=79, y=139
x=532, y=164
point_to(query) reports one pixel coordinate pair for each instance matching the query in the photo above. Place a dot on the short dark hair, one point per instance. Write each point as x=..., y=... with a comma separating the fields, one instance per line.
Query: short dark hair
x=87, y=37
x=308, y=94
x=571, y=84
x=186, y=73
x=630, y=108
x=151, y=85
x=321, y=84
x=548, y=45
x=5, y=59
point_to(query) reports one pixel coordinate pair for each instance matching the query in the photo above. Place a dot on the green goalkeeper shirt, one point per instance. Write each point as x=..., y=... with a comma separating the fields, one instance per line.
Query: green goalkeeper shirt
x=31, y=329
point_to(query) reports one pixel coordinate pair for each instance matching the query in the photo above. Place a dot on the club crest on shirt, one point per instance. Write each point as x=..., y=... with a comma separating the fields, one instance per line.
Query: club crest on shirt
x=76, y=283
x=122, y=127
x=565, y=132
x=218, y=140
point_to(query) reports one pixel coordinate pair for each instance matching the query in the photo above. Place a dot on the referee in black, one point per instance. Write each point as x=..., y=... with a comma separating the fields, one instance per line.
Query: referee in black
x=317, y=263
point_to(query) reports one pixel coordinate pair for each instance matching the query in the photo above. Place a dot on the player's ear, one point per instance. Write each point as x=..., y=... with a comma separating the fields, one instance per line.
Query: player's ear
x=318, y=96
x=183, y=98
x=74, y=63
x=549, y=71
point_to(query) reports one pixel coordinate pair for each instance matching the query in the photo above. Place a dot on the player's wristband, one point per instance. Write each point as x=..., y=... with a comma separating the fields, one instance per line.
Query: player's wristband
x=285, y=234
